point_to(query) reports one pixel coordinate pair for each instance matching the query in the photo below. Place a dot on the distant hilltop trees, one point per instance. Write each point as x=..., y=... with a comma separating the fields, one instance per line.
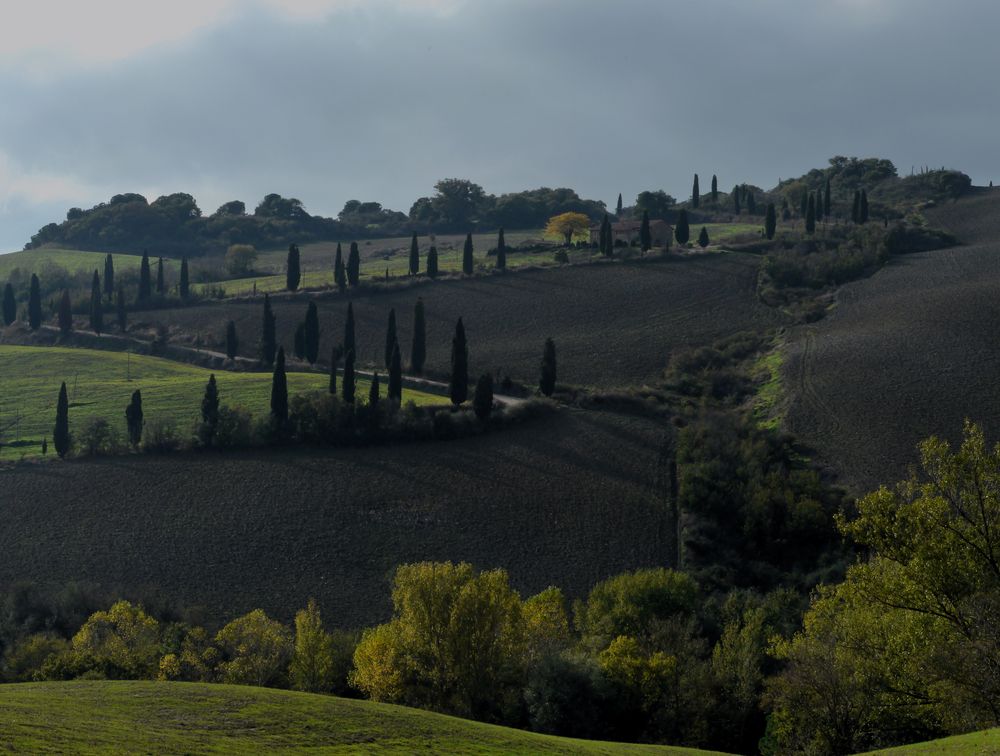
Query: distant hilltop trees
x=175, y=226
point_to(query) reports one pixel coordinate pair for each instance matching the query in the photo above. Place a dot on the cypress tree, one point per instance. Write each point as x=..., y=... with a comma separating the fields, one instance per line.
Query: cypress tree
x=109, y=276
x=751, y=202
x=312, y=334
x=683, y=231
x=811, y=214
x=414, y=255
x=60, y=435
x=645, y=239
x=458, y=385
x=279, y=391
x=863, y=207
x=715, y=189
x=804, y=204
x=467, y=256
x=145, y=283
x=9, y=305
x=299, y=342
x=373, y=391
x=736, y=200
x=133, y=419
x=395, y=376
x=268, y=340
x=547, y=377
x=184, y=286
x=826, y=200
x=703, y=238
x=501, y=251
x=65, y=313
x=122, y=312
x=293, y=271
x=618, y=211
x=695, y=193
x=354, y=265
x=856, y=207
x=350, y=345
x=34, y=304
x=334, y=359
x=770, y=221
x=482, y=401
x=210, y=411
x=418, y=352
x=339, y=272
x=348, y=388
x=160, y=287
x=232, y=342
x=432, y=262
x=390, y=337
x=96, y=305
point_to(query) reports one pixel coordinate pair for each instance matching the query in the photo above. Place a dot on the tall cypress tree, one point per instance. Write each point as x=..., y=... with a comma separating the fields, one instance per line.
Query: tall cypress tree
x=293, y=271
x=334, y=359
x=683, y=231
x=703, y=238
x=804, y=203
x=184, y=286
x=501, y=251
x=645, y=238
x=618, y=210
x=395, y=375
x=826, y=200
x=432, y=262
x=373, y=391
x=268, y=339
x=349, y=387
x=160, y=284
x=751, y=202
x=414, y=255
x=232, y=342
x=547, y=377
x=279, y=391
x=695, y=193
x=60, y=435
x=109, y=276
x=467, y=261
x=856, y=207
x=133, y=419
x=350, y=345
x=145, y=282
x=811, y=214
x=482, y=400
x=458, y=385
x=354, y=265
x=715, y=189
x=339, y=272
x=299, y=342
x=65, y=313
x=390, y=337
x=210, y=411
x=312, y=334
x=863, y=207
x=9, y=305
x=770, y=221
x=96, y=305
x=418, y=352
x=121, y=311
x=34, y=304
x=736, y=199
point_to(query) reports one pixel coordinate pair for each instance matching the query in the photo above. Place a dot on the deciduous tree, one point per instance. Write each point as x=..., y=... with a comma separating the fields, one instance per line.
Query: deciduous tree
x=568, y=225
x=312, y=668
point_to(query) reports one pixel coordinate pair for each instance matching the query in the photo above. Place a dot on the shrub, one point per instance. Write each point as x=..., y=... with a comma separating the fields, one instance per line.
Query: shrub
x=98, y=438
x=235, y=428
x=160, y=437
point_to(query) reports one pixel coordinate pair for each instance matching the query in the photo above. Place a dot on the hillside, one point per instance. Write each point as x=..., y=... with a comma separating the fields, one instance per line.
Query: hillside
x=973, y=744
x=612, y=324
x=148, y=717
x=566, y=501
x=910, y=352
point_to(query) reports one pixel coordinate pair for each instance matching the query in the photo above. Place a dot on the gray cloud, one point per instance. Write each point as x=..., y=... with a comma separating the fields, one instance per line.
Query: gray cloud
x=375, y=103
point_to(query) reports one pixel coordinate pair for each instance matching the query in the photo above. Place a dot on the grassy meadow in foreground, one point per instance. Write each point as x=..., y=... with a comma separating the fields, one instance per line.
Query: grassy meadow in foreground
x=100, y=384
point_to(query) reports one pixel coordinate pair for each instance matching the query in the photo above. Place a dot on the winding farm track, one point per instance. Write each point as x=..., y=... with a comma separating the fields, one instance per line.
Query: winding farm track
x=908, y=353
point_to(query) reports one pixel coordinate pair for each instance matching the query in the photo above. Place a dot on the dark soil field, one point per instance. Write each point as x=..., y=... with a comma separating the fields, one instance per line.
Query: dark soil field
x=612, y=324
x=910, y=352
x=566, y=500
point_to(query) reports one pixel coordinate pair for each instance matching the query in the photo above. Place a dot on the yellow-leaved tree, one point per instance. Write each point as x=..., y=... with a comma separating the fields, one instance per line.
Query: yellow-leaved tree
x=568, y=225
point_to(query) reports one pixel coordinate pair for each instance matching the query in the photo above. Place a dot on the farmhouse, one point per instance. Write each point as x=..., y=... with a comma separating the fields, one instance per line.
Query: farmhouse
x=627, y=232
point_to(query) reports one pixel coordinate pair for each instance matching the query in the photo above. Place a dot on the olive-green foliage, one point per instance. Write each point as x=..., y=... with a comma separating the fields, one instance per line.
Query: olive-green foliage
x=256, y=650
x=121, y=642
x=312, y=668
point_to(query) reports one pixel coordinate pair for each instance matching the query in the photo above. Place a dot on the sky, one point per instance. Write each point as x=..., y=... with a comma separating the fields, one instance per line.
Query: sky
x=376, y=100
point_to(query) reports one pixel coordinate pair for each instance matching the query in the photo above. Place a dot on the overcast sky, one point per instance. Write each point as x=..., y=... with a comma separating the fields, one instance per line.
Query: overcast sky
x=331, y=100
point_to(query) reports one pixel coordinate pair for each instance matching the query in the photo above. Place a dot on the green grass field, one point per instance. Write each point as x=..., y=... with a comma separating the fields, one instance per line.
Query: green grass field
x=100, y=384
x=73, y=260
x=152, y=717
x=972, y=744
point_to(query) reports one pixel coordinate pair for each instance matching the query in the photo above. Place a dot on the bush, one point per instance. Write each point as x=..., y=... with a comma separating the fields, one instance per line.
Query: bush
x=160, y=437
x=98, y=438
x=235, y=428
